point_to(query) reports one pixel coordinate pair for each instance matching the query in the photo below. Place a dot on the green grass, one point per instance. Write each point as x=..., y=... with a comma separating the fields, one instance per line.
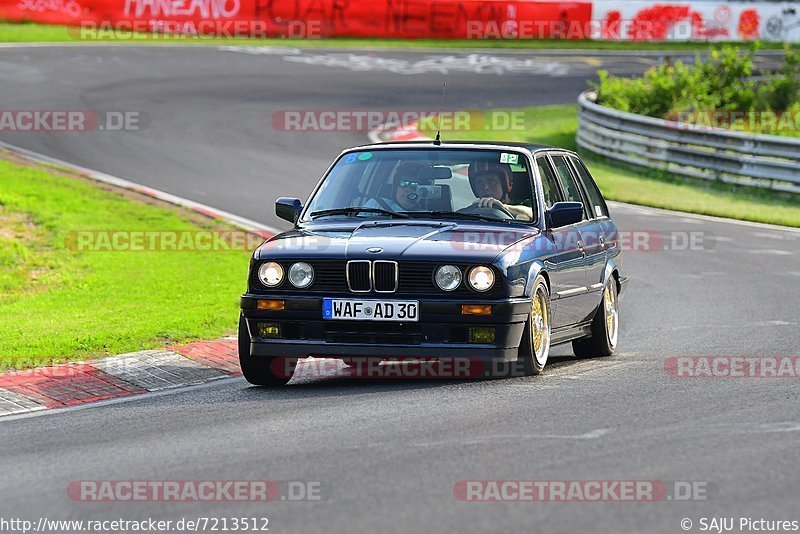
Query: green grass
x=557, y=125
x=30, y=32
x=58, y=304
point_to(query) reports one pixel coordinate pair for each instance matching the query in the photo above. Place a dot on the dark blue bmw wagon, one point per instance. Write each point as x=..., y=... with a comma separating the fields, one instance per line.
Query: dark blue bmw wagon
x=490, y=252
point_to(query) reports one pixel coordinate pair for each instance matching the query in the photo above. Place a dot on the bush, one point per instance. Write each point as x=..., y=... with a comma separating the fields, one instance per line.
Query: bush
x=782, y=91
x=724, y=81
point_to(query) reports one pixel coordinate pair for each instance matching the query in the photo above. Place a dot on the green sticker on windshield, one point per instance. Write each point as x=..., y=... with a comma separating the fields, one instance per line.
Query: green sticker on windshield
x=364, y=156
x=505, y=157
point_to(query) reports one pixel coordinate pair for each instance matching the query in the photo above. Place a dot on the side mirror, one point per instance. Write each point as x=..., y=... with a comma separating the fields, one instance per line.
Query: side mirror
x=564, y=214
x=288, y=209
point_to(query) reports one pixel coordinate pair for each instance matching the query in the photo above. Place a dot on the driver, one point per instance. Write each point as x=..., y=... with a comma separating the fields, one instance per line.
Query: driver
x=492, y=184
x=404, y=188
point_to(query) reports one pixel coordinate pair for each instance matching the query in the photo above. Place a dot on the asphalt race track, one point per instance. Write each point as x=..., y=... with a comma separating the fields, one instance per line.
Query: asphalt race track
x=389, y=452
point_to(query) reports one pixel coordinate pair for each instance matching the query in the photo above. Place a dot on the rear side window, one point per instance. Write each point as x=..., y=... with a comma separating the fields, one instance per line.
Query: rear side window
x=549, y=184
x=567, y=181
x=599, y=208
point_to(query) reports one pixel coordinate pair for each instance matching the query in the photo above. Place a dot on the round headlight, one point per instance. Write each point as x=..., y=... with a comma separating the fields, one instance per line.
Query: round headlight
x=270, y=274
x=301, y=275
x=448, y=277
x=481, y=278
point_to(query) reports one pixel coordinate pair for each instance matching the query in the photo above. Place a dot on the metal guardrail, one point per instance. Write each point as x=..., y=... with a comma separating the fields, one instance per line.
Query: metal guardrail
x=767, y=161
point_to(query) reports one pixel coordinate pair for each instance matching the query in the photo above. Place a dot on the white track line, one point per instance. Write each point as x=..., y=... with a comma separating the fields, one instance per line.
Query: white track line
x=710, y=218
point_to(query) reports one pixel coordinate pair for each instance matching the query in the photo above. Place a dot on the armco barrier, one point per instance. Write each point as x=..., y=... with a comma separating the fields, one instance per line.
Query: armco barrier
x=695, y=151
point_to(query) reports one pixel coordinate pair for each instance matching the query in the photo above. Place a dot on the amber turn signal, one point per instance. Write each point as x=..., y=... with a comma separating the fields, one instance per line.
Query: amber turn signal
x=476, y=309
x=274, y=305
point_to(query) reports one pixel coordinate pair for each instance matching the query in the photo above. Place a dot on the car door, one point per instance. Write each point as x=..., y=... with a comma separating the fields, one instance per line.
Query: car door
x=565, y=263
x=603, y=234
x=582, y=302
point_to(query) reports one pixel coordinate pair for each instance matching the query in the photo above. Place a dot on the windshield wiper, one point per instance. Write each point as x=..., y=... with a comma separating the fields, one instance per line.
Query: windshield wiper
x=439, y=214
x=352, y=210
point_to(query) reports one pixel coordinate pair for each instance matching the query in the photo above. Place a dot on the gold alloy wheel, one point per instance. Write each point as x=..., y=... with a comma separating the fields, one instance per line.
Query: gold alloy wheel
x=611, y=313
x=539, y=324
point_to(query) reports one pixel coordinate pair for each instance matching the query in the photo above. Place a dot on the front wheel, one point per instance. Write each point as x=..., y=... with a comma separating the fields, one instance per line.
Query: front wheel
x=260, y=370
x=535, y=345
x=605, y=326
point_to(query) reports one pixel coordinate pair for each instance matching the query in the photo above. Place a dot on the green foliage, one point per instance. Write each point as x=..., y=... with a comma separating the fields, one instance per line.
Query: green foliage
x=782, y=90
x=725, y=81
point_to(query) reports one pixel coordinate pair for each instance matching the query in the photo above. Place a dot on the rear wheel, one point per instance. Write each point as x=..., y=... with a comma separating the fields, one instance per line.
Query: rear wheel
x=261, y=370
x=535, y=345
x=605, y=326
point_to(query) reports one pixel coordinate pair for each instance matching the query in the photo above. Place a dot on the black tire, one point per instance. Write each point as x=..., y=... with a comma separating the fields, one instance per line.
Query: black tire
x=259, y=370
x=532, y=359
x=603, y=340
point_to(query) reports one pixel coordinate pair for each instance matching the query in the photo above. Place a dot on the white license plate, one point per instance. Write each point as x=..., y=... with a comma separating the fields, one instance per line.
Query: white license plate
x=370, y=310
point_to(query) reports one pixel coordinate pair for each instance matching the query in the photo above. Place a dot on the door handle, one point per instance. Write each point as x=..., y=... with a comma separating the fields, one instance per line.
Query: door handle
x=580, y=247
x=602, y=242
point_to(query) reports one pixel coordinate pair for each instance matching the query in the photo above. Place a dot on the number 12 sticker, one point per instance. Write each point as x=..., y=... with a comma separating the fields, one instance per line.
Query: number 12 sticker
x=513, y=159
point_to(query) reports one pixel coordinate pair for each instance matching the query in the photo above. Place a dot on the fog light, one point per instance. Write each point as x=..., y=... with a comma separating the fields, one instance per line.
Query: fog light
x=476, y=309
x=481, y=335
x=274, y=305
x=269, y=330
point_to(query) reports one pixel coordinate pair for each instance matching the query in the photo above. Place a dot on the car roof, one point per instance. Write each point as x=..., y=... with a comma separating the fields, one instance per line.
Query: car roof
x=532, y=147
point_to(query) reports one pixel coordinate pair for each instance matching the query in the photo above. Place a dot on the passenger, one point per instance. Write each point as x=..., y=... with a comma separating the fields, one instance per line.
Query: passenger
x=404, y=188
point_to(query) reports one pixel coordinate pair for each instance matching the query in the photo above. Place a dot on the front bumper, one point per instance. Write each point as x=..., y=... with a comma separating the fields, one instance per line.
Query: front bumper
x=441, y=332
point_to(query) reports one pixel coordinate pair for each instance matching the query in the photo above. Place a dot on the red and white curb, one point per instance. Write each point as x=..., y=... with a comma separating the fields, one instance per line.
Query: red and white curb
x=136, y=373
x=126, y=374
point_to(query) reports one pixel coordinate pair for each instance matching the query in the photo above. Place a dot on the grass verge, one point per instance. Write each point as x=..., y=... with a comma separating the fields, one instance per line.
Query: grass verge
x=28, y=32
x=59, y=303
x=557, y=125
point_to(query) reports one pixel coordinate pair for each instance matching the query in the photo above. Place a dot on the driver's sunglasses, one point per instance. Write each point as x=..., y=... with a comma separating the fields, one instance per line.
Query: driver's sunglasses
x=408, y=183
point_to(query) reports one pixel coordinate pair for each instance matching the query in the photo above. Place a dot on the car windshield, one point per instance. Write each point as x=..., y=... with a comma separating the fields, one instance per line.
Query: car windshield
x=432, y=183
